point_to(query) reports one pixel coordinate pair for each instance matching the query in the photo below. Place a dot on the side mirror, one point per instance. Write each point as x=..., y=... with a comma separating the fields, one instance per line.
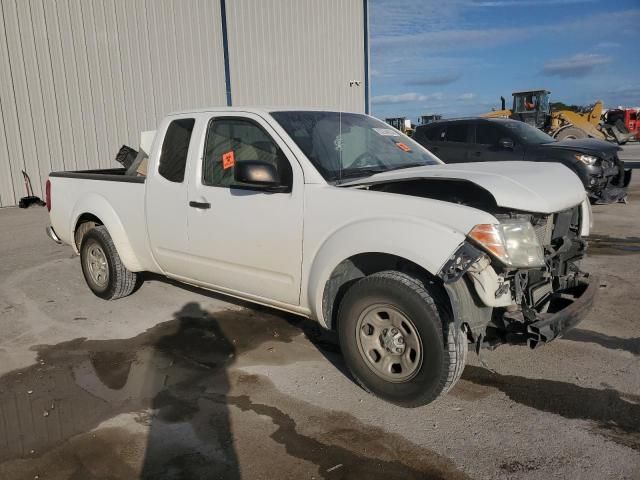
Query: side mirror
x=506, y=143
x=258, y=174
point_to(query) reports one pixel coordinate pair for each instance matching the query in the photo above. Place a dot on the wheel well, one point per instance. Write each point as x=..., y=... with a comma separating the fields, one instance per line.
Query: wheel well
x=358, y=266
x=85, y=222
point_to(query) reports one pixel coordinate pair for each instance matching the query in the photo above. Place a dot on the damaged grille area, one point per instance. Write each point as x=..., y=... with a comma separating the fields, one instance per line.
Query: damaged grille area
x=544, y=228
x=542, y=291
x=560, y=237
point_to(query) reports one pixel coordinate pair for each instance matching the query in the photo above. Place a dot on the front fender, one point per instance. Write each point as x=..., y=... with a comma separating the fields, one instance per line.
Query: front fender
x=98, y=206
x=422, y=242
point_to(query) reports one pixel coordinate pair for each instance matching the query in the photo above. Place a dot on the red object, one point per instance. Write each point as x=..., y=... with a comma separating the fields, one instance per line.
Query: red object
x=228, y=160
x=404, y=147
x=630, y=118
x=48, y=194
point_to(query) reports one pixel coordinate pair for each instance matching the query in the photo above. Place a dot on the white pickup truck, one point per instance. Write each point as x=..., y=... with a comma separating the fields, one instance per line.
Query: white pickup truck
x=338, y=217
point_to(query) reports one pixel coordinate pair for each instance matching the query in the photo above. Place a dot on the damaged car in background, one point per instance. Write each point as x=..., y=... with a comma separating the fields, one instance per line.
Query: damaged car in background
x=594, y=161
x=337, y=217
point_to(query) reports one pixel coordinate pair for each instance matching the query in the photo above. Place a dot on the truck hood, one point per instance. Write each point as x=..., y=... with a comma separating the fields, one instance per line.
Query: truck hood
x=589, y=146
x=527, y=186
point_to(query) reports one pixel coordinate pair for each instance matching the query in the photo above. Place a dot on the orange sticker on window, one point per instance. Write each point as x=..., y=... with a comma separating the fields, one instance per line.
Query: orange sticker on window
x=228, y=159
x=402, y=146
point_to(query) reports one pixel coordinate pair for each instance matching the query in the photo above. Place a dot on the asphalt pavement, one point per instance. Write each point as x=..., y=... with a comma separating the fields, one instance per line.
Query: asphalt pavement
x=176, y=382
x=631, y=154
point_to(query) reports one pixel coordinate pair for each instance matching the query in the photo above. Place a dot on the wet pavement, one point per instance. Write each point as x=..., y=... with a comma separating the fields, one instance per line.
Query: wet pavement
x=175, y=380
x=606, y=245
x=177, y=383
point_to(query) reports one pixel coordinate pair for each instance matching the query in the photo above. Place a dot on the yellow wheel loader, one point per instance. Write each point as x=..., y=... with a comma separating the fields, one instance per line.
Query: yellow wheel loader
x=401, y=123
x=533, y=107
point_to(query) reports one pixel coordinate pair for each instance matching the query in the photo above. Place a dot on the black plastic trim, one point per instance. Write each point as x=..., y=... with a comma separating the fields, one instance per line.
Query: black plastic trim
x=107, y=175
x=365, y=8
x=225, y=50
x=459, y=262
x=551, y=326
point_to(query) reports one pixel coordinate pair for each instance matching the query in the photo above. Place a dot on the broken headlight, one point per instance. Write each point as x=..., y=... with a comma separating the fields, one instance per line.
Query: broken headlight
x=586, y=159
x=514, y=243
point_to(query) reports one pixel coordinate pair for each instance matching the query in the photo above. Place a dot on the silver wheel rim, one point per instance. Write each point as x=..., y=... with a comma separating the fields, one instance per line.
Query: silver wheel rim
x=97, y=266
x=389, y=343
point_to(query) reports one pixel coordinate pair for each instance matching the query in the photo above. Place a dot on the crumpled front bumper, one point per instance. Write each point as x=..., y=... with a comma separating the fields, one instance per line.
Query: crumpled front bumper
x=609, y=195
x=611, y=186
x=567, y=309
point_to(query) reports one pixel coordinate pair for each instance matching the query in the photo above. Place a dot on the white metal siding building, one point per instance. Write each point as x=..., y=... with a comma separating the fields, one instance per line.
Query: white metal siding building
x=80, y=78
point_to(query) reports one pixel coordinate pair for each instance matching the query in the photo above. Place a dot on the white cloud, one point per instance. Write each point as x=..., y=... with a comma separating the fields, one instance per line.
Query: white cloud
x=467, y=96
x=524, y=3
x=605, y=45
x=390, y=24
x=575, y=66
x=408, y=97
x=400, y=98
x=447, y=39
x=443, y=79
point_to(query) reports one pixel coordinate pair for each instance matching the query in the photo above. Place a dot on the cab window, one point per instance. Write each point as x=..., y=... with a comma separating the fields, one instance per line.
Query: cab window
x=232, y=140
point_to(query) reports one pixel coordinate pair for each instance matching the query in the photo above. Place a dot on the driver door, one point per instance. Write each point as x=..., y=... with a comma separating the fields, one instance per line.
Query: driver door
x=243, y=239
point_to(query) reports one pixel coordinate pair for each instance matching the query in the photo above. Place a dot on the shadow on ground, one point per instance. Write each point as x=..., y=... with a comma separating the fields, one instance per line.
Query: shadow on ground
x=631, y=345
x=614, y=414
x=176, y=381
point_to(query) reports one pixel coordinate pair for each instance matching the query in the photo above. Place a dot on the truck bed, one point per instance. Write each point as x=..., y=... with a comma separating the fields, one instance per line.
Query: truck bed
x=116, y=199
x=105, y=174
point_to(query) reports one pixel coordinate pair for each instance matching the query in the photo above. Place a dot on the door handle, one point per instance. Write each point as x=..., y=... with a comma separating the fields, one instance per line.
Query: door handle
x=477, y=154
x=203, y=205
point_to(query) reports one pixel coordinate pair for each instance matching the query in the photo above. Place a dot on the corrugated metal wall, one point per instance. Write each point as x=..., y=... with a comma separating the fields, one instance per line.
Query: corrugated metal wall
x=78, y=78
x=293, y=52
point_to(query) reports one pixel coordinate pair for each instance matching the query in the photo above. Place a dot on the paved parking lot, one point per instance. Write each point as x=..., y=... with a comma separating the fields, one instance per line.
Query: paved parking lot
x=175, y=382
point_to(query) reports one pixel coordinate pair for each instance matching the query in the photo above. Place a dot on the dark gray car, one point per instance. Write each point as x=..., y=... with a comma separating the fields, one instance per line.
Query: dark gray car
x=496, y=139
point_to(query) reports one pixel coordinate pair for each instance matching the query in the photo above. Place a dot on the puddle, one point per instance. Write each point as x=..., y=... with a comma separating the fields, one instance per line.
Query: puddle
x=175, y=381
x=614, y=415
x=606, y=245
x=77, y=384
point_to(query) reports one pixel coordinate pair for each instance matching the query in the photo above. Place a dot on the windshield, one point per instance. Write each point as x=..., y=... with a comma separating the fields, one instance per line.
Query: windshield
x=350, y=145
x=528, y=134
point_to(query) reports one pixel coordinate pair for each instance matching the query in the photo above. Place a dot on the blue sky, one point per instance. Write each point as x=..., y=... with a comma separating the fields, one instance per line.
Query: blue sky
x=456, y=57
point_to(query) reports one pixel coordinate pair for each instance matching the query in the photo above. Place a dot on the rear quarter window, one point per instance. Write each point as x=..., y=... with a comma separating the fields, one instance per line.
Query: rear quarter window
x=431, y=134
x=175, y=147
x=457, y=132
x=487, y=134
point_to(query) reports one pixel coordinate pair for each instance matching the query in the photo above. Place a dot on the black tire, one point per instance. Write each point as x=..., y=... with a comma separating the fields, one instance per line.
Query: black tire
x=444, y=351
x=118, y=281
x=571, y=132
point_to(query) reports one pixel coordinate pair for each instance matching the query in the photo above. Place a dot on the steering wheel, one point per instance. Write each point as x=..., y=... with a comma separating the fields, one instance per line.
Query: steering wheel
x=360, y=161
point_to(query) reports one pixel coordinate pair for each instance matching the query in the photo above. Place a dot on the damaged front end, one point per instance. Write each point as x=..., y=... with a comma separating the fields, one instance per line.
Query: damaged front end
x=498, y=300
x=608, y=181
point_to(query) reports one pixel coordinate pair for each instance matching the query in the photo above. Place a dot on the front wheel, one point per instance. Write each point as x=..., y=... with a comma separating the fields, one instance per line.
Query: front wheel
x=571, y=133
x=103, y=270
x=396, y=342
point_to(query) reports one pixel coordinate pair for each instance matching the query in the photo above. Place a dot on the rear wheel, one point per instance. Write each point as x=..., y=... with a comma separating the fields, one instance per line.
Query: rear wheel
x=103, y=270
x=396, y=342
x=571, y=133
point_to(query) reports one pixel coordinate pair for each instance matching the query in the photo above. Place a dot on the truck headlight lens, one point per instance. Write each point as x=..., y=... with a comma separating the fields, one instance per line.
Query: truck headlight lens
x=586, y=159
x=514, y=243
